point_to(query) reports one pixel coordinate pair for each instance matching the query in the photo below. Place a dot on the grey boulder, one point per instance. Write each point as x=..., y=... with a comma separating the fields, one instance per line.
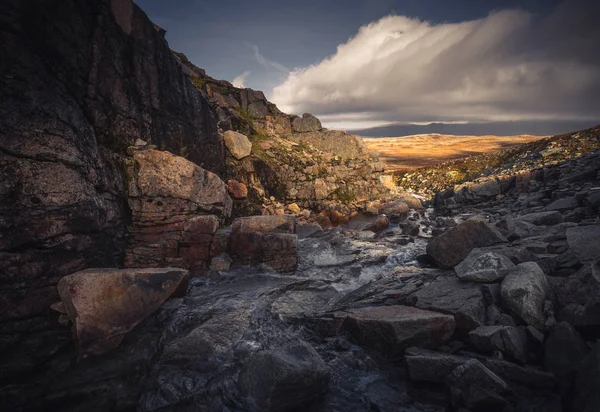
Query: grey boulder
x=584, y=241
x=478, y=388
x=509, y=340
x=523, y=292
x=484, y=267
x=451, y=247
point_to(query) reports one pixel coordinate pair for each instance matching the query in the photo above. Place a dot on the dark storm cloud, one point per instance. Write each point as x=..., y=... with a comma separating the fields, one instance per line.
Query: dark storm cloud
x=510, y=65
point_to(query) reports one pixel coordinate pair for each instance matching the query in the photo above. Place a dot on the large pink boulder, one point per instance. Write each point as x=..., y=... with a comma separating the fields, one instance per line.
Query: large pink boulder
x=105, y=304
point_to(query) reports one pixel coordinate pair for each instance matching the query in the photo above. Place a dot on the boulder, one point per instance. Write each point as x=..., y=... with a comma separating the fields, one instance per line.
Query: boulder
x=221, y=262
x=294, y=208
x=549, y=218
x=451, y=247
x=396, y=210
x=176, y=208
x=587, y=381
x=563, y=352
x=306, y=123
x=584, y=242
x=237, y=190
x=478, y=388
x=105, y=304
x=392, y=329
x=524, y=230
x=465, y=301
x=283, y=379
x=159, y=175
x=509, y=340
x=308, y=229
x=412, y=202
x=524, y=291
x=579, y=298
x=563, y=205
x=429, y=366
x=276, y=250
x=485, y=188
x=381, y=223
x=484, y=267
x=516, y=254
x=410, y=228
x=238, y=144
x=271, y=224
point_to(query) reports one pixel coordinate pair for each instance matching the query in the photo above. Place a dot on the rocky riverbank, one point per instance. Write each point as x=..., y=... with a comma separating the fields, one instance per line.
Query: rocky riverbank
x=479, y=304
x=135, y=274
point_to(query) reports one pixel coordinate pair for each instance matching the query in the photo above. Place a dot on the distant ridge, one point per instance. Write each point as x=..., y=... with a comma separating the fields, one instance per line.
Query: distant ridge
x=539, y=128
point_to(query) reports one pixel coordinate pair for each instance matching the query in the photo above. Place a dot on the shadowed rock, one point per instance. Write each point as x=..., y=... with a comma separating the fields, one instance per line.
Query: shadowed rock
x=285, y=378
x=450, y=248
x=542, y=218
x=465, y=301
x=563, y=351
x=105, y=304
x=524, y=291
x=483, y=267
x=476, y=387
x=584, y=241
x=587, y=382
x=507, y=339
x=392, y=329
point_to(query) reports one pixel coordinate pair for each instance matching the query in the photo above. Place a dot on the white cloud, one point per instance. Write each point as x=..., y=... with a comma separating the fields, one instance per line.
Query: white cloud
x=269, y=64
x=240, y=81
x=510, y=65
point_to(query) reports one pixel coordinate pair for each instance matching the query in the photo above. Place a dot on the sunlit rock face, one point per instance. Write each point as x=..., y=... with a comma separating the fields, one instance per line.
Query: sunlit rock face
x=176, y=209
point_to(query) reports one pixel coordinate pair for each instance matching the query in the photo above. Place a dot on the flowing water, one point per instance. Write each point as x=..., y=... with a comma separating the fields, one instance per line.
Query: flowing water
x=205, y=352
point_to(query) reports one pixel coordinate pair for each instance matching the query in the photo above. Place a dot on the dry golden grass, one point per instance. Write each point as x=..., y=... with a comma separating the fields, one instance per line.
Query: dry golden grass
x=413, y=152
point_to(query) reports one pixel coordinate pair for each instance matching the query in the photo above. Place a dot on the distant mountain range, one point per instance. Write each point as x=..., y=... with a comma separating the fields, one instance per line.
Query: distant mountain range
x=539, y=128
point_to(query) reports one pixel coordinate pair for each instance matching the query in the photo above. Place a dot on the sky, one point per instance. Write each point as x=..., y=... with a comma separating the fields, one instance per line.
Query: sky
x=367, y=63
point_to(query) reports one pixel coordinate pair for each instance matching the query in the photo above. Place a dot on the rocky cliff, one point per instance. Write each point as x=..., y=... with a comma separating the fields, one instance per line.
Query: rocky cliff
x=80, y=82
x=293, y=160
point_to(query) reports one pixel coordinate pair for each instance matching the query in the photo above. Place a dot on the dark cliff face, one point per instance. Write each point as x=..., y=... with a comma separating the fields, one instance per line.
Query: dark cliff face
x=79, y=82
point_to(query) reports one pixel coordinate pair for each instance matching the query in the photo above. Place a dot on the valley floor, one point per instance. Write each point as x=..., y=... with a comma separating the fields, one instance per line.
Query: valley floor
x=413, y=152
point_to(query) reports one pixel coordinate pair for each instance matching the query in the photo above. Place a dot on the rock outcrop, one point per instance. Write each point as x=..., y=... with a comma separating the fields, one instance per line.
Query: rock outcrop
x=104, y=304
x=81, y=81
x=268, y=240
x=176, y=209
x=288, y=159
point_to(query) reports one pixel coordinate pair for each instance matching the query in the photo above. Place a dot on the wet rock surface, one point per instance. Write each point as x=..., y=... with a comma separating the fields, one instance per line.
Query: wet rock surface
x=359, y=320
x=386, y=312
